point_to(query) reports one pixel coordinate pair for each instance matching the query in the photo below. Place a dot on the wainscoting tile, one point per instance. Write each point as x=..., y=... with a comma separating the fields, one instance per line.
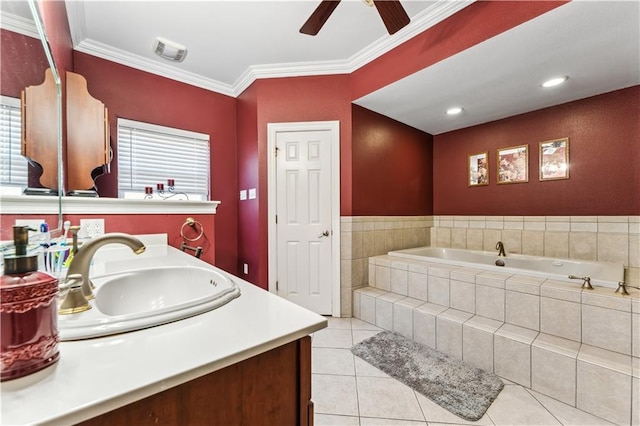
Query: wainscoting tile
x=583, y=245
x=556, y=244
x=613, y=248
x=449, y=331
x=438, y=290
x=477, y=348
x=560, y=318
x=490, y=238
x=553, y=367
x=533, y=243
x=606, y=328
x=403, y=316
x=475, y=238
x=463, y=296
x=417, y=285
x=424, y=323
x=522, y=310
x=512, y=353
x=399, y=281
x=490, y=302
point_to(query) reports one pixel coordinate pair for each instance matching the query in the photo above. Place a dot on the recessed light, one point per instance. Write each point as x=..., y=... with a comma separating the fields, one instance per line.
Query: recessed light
x=555, y=81
x=454, y=111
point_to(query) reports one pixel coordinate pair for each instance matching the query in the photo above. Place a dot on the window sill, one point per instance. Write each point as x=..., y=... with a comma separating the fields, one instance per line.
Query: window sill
x=23, y=204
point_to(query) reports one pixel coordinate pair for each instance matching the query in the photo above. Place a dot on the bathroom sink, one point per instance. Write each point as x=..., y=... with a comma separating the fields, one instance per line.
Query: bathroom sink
x=143, y=298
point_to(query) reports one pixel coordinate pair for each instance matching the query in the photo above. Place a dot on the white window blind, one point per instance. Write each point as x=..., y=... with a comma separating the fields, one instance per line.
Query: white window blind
x=14, y=166
x=149, y=154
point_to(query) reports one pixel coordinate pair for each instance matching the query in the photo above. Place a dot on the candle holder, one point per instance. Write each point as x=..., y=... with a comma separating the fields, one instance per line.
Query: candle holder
x=160, y=191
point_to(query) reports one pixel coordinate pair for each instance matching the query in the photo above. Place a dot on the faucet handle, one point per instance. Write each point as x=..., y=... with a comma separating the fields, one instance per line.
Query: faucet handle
x=587, y=281
x=74, y=302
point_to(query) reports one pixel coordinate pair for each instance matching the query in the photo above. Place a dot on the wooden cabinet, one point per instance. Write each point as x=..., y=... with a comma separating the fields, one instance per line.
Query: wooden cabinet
x=40, y=123
x=273, y=388
x=85, y=136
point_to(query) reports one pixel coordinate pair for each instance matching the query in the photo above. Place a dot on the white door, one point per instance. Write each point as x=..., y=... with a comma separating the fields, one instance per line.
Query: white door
x=304, y=218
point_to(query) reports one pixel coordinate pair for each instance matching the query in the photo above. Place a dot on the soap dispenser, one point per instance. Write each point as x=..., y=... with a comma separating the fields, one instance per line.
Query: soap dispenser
x=28, y=313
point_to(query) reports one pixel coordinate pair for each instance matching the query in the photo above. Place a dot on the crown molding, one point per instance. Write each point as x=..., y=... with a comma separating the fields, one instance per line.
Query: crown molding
x=421, y=22
x=18, y=24
x=104, y=51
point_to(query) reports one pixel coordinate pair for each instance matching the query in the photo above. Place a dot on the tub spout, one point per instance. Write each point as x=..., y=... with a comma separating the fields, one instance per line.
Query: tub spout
x=500, y=248
x=586, y=284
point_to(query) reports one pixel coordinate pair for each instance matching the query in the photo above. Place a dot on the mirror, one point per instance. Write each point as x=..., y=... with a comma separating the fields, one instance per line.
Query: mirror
x=26, y=56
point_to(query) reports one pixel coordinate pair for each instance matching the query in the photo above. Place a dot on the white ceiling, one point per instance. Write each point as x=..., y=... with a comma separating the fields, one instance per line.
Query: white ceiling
x=232, y=42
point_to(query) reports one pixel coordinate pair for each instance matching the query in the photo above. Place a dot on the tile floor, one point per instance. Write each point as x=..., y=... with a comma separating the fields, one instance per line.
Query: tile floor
x=348, y=391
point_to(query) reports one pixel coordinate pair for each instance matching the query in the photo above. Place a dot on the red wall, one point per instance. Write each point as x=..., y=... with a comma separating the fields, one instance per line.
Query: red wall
x=604, y=154
x=22, y=61
x=392, y=167
x=318, y=98
x=137, y=95
x=249, y=229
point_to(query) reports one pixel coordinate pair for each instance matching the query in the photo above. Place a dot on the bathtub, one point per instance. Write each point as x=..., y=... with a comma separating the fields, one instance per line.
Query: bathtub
x=603, y=274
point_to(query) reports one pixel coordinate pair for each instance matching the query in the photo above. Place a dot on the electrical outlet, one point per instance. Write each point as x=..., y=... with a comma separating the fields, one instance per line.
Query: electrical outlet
x=245, y=268
x=90, y=228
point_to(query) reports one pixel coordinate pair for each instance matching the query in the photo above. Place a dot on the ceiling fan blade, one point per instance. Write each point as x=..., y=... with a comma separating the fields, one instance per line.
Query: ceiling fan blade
x=393, y=14
x=319, y=17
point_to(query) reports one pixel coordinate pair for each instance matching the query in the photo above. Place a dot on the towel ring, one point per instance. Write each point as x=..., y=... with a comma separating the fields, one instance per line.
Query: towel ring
x=192, y=223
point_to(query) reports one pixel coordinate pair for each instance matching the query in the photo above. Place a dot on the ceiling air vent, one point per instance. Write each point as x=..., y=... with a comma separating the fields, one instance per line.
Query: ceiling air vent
x=169, y=50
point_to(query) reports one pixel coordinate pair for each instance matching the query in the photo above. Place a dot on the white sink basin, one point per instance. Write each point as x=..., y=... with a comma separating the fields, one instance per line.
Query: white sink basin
x=144, y=298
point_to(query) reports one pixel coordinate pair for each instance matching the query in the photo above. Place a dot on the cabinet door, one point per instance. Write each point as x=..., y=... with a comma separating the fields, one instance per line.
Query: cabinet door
x=87, y=134
x=40, y=128
x=272, y=388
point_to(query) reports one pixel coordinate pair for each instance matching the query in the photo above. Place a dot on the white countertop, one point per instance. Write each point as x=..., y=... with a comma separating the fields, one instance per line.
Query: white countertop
x=98, y=375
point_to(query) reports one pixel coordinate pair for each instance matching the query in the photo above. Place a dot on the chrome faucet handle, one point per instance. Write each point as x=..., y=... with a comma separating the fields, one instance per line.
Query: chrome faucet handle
x=586, y=284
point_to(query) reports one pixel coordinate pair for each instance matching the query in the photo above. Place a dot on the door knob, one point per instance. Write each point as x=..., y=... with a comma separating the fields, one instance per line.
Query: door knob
x=324, y=234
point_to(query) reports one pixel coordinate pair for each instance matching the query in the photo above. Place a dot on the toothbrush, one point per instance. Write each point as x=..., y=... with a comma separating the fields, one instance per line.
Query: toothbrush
x=66, y=226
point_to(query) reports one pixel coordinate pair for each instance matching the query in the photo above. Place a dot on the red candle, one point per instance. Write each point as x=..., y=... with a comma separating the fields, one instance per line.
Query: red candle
x=148, y=190
x=171, y=182
x=161, y=186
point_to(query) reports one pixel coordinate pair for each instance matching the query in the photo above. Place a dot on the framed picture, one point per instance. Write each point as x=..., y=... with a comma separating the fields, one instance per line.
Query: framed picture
x=513, y=164
x=554, y=159
x=479, y=169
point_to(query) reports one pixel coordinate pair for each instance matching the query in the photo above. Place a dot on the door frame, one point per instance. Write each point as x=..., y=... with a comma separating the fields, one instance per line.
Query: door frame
x=272, y=130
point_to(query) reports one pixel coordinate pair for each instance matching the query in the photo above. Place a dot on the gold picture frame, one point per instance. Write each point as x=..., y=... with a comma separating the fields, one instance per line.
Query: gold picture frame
x=513, y=164
x=478, y=165
x=554, y=159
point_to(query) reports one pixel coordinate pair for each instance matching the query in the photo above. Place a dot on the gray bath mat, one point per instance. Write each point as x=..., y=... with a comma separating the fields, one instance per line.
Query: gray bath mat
x=463, y=390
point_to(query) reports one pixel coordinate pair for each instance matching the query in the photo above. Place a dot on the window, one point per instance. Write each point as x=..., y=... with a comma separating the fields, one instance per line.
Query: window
x=13, y=170
x=149, y=154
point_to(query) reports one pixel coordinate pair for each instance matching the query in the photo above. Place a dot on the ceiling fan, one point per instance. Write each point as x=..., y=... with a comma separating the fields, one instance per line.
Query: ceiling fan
x=391, y=11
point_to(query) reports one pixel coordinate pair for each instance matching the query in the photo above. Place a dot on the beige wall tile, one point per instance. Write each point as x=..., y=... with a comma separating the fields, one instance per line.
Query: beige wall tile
x=556, y=244
x=399, y=281
x=356, y=245
x=583, y=246
x=346, y=248
x=490, y=238
x=595, y=381
x=380, y=241
x=417, y=286
x=475, y=237
x=561, y=318
x=533, y=243
x=345, y=274
x=606, y=328
x=438, y=290
x=368, y=244
x=463, y=296
x=613, y=248
x=554, y=374
x=490, y=302
x=634, y=250
x=383, y=278
x=459, y=238
x=443, y=237
x=357, y=273
x=512, y=240
x=477, y=348
x=522, y=310
x=512, y=360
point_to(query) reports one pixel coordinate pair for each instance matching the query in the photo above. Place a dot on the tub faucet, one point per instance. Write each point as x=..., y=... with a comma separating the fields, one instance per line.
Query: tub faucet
x=82, y=260
x=586, y=284
x=500, y=248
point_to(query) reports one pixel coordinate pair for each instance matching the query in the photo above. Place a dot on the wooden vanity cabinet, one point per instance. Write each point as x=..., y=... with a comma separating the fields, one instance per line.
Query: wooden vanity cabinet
x=272, y=388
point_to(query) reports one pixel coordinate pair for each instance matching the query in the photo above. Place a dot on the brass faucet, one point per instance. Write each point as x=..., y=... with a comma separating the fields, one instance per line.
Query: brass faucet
x=82, y=260
x=500, y=248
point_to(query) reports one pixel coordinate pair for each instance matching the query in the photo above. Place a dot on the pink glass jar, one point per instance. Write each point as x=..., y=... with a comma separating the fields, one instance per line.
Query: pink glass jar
x=28, y=321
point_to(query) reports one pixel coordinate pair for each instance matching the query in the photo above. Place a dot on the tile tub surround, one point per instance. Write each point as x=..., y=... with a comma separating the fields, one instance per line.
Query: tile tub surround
x=600, y=238
x=553, y=337
x=364, y=236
